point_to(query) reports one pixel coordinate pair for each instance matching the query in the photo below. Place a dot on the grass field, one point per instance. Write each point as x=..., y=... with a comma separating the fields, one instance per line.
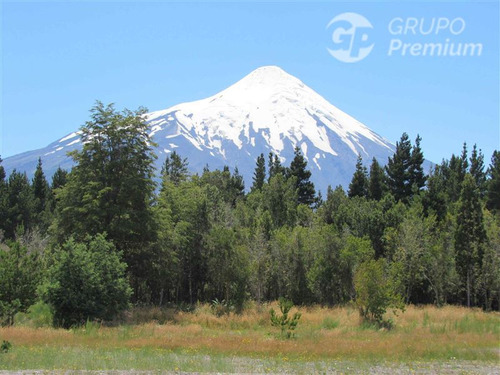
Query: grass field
x=200, y=341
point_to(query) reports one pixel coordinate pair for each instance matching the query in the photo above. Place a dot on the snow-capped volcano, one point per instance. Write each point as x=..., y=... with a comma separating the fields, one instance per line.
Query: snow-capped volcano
x=267, y=111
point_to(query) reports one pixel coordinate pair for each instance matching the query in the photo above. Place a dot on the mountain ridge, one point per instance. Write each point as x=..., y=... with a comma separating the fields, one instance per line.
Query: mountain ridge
x=268, y=110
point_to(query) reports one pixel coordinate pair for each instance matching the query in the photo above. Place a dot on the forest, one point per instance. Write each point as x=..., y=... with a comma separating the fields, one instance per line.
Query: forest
x=113, y=232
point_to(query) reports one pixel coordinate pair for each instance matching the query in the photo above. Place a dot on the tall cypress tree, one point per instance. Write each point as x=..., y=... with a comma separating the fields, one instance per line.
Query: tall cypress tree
x=470, y=236
x=259, y=176
x=305, y=188
x=398, y=170
x=376, y=184
x=493, y=184
x=359, y=183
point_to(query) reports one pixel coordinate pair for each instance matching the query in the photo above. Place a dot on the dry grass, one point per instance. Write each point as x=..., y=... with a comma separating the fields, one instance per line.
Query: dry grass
x=421, y=333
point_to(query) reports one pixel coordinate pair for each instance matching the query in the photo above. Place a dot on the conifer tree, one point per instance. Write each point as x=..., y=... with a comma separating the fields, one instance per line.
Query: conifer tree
x=298, y=169
x=493, y=184
x=59, y=178
x=435, y=197
x=259, y=175
x=2, y=174
x=417, y=176
x=476, y=169
x=3, y=198
x=376, y=184
x=359, y=183
x=398, y=170
x=20, y=275
x=470, y=236
x=237, y=185
x=175, y=169
x=455, y=172
x=19, y=204
x=275, y=166
x=40, y=189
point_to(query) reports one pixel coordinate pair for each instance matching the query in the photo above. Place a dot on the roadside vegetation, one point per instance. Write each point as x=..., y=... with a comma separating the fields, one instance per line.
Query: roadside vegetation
x=95, y=258
x=154, y=338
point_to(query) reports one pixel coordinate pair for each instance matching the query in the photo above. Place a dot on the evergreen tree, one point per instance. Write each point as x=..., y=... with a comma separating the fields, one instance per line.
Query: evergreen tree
x=305, y=188
x=398, y=170
x=2, y=174
x=19, y=204
x=455, y=172
x=40, y=190
x=230, y=187
x=470, y=237
x=359, y=183
x=20, y=275
x=175, y=168
x=59, y=179
x=493, y=184
x=237, y=185
x=435, y=197
x=417, y=176
x=376, y=184
x=275, y=166
x=259, y=175
x=3, y=199
x=476, y=169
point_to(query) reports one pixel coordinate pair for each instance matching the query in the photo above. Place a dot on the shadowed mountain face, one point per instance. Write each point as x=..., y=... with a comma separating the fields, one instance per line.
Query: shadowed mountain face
x=266, y=111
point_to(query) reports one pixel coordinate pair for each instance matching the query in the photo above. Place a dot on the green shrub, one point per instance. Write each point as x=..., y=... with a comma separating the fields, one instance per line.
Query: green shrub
x=86, y=282
x=375, y=292
x=5, y=347
x=38, y=315
x=20, y=274
x=285, y=323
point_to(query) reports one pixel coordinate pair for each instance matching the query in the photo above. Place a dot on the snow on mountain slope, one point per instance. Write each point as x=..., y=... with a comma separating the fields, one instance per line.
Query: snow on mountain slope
x=267, y=111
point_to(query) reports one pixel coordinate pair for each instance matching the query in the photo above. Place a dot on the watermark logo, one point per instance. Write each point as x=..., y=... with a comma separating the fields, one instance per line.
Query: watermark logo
x=351, y=37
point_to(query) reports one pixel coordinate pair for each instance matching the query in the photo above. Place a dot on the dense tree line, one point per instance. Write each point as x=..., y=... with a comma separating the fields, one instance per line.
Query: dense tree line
x=108, y=233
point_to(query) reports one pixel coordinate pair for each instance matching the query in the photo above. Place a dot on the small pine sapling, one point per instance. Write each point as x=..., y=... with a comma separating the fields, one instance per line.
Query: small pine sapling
x=286, y=324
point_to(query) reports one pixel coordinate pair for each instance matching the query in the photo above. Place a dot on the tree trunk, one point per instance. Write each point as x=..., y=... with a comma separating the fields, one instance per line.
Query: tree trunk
x=190, y=288
x=468, y=288
x=161, y=296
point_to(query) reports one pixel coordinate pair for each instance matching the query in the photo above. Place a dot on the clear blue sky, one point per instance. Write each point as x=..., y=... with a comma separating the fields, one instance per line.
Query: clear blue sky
x=58, y=58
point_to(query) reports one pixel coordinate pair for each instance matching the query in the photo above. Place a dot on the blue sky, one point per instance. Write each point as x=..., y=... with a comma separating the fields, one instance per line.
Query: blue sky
x=58, y=58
